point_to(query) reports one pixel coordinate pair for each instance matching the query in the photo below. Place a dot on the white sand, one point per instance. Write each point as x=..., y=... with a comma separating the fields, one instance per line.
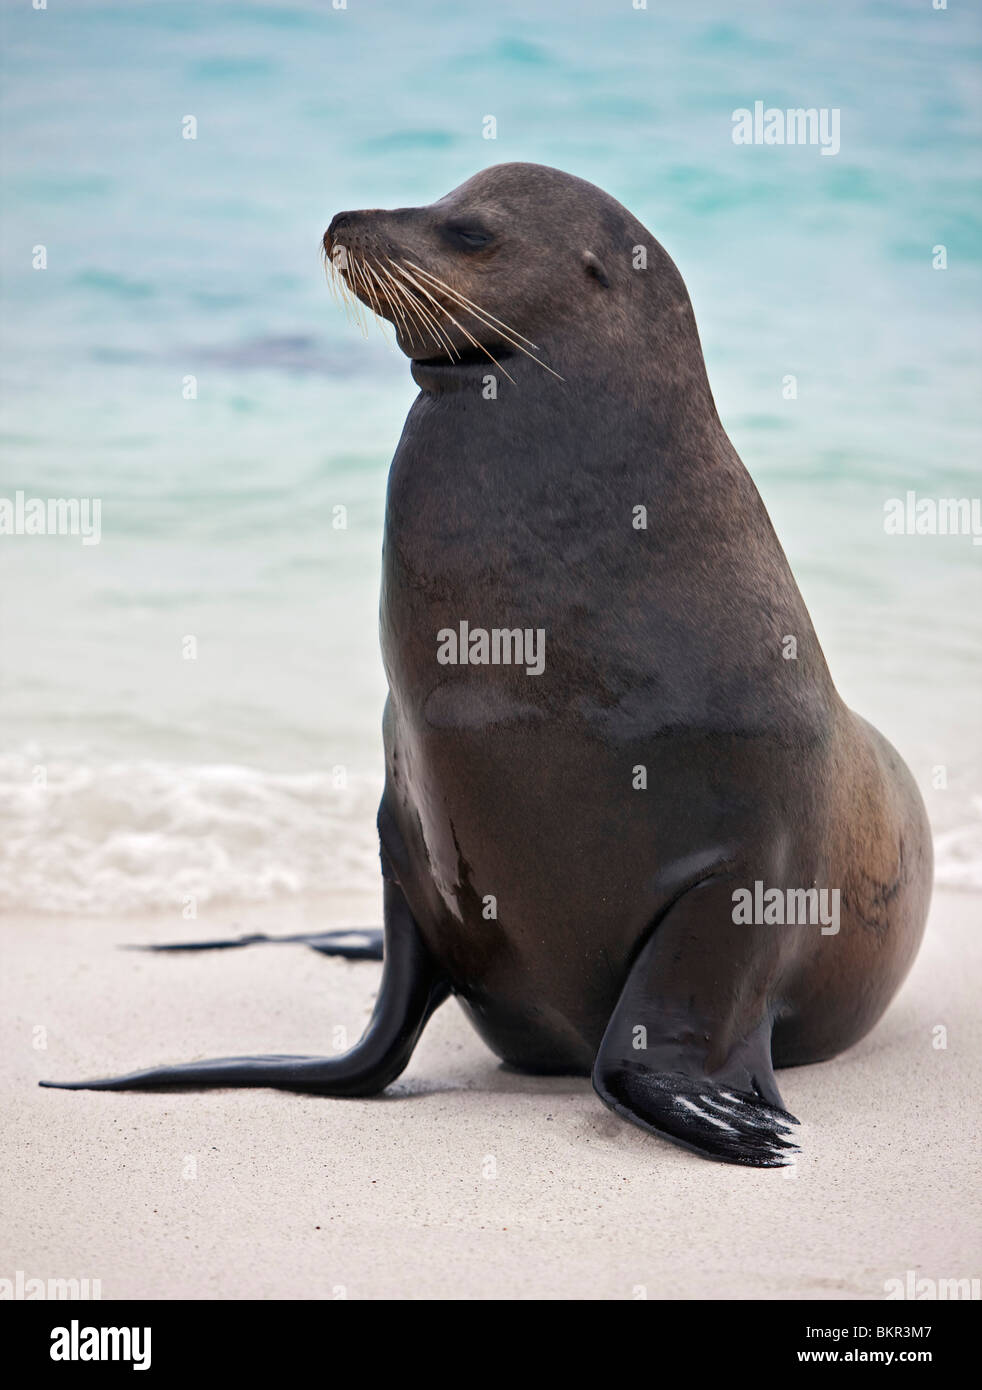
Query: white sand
x=301, y=1197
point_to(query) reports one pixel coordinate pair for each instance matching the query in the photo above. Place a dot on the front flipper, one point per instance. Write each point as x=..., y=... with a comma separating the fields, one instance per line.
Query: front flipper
x=411, y=990
x=686, y=1054
x=355, y=943
x=729, y=1125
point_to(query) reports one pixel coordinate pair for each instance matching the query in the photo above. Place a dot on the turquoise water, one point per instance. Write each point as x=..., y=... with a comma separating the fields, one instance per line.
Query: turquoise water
x=132, y=777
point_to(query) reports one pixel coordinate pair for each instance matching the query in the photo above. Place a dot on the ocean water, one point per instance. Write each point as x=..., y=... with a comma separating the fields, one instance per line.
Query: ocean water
x=132, y=777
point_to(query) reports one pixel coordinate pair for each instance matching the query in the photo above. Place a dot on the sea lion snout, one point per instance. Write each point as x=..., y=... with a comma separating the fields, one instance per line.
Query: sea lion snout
x=342, y=222
x=361, y=222
x=359, y=251
x=338, y=221
x=384, y=260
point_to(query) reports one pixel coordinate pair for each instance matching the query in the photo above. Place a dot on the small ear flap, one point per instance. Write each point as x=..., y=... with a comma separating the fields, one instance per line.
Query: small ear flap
x=594, y=267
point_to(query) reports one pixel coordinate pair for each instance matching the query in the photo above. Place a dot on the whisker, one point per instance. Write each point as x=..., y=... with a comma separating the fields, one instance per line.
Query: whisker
x=377, y=293
x=341, y=285
x=380, y=320
x=428, y=323
x=454, y=321
x=390, y=298
x=396, y=288
x=442, y=284
x=329, y=274
x=359, y=305
x=489, y=320
x=384, y=295
x=440, y=335
x=389, y=294
x=351, y=301
x=360, y=277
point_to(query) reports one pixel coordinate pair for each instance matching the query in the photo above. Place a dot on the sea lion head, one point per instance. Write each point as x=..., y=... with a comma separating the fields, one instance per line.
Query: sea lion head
x=521, y=264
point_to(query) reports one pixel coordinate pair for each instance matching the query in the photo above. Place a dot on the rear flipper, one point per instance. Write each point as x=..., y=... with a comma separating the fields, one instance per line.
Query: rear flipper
x=410, y=991
x=356, y=943
x=687, y=1052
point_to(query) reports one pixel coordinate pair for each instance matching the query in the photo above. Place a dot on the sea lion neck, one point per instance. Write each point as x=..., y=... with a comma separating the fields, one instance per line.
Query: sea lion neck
x=654, y=392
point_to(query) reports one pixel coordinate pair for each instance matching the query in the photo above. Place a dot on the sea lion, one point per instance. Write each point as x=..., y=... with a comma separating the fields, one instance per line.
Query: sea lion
x=611, y=736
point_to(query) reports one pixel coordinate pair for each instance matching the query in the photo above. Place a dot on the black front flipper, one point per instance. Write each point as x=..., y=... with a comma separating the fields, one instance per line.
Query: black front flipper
x=716, y=1121
x=355, y=943
x=686, y=1053
x=410, y=991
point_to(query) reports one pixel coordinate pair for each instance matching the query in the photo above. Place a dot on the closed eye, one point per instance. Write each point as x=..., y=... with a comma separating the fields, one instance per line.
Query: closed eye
x=470, y=237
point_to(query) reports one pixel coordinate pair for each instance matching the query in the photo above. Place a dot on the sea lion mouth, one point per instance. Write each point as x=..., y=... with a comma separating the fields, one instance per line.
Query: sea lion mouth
x=441, y=372
x=467, y=357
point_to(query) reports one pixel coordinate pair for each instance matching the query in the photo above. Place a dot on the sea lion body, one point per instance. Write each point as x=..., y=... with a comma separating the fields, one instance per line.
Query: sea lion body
x=565, y=833
x=664, y=649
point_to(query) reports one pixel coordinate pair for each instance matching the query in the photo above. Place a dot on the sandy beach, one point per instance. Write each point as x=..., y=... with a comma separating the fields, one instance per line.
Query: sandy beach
x=464, y=1180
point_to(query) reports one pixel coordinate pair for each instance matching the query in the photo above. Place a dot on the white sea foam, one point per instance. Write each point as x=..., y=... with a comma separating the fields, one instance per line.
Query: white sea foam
x=129, y=836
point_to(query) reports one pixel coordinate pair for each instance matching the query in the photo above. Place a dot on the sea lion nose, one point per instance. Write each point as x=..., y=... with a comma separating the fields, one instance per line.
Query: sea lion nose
x=341, y=223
